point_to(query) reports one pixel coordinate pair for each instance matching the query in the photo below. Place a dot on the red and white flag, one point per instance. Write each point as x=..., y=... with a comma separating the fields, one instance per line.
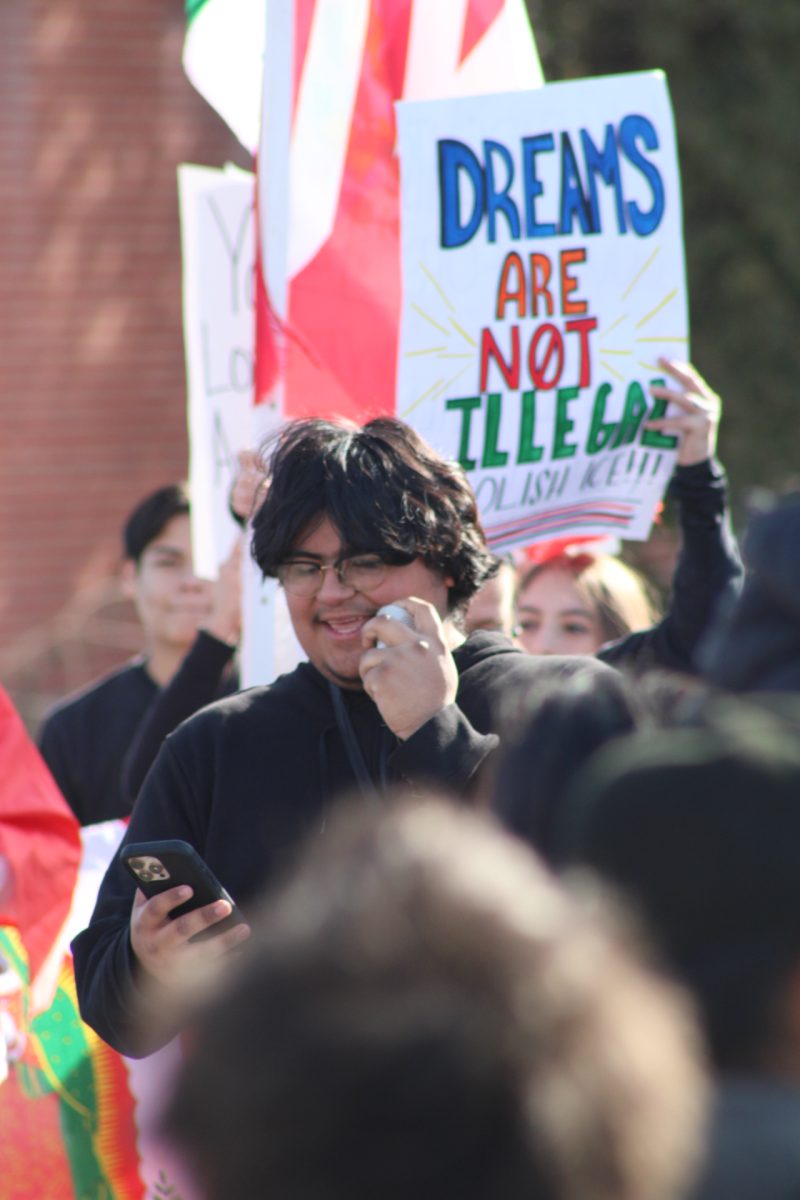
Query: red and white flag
x=328, y=271
x=328, y=293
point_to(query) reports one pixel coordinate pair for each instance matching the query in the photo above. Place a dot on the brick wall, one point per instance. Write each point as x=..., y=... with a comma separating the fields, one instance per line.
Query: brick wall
x=96, y=116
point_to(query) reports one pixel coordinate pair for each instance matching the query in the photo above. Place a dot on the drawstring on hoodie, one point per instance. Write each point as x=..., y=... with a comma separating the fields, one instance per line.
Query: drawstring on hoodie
x=355, y=754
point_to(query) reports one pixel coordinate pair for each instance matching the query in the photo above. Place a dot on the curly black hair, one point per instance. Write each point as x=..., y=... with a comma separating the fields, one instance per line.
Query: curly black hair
x=385, y=490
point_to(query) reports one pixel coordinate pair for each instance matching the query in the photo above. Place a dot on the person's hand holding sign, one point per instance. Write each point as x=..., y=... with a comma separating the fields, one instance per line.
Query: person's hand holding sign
x=697, y=421
x=249, y=485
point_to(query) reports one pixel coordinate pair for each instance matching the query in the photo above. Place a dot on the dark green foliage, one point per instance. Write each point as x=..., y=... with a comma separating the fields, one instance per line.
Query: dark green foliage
x=734, y=74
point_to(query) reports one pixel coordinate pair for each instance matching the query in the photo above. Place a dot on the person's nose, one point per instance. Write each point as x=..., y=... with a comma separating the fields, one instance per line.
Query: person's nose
x=192, y=583
x=547, y=640
x=332, y=590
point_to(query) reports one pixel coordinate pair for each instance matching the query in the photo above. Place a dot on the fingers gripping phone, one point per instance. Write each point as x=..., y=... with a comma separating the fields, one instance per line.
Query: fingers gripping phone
x=159, y=866
x=397, y=613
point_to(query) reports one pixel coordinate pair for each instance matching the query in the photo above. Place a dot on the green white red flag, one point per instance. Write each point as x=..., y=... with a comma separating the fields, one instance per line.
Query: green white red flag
x=75, y=1116
x=40, y=848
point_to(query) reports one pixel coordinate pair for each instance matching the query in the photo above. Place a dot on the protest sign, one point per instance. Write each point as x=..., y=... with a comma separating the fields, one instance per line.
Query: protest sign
x=217, y=233
x=543, y=275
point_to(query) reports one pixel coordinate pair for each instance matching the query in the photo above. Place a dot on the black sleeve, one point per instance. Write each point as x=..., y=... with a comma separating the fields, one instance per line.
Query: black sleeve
x=708, y=575
x=107, y=978
x=446, y=750
x=455, y=747
x=195, y=684
x=54, y=748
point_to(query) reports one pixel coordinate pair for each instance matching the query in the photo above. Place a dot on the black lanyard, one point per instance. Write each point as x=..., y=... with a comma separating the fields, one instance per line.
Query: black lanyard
x=354, y=752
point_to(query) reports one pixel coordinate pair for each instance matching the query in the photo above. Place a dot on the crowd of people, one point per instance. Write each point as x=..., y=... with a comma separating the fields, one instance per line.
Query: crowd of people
x=519, y=873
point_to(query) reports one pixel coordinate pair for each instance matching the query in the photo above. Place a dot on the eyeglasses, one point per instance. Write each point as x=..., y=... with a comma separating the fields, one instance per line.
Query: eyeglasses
x=302, y=577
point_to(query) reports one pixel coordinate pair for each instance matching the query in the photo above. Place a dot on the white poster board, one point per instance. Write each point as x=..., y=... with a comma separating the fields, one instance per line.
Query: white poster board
x=217, y=234
x=218, y=238
x=543, y=275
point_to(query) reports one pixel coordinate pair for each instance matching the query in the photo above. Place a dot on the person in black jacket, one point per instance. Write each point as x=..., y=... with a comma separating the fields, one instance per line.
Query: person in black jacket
x=100, y=743
x=353, y=519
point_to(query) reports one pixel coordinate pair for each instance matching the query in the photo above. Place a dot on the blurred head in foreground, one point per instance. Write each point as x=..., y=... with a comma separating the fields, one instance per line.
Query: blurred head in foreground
x=422, y=1012
x=701, y=829
x=553, y=728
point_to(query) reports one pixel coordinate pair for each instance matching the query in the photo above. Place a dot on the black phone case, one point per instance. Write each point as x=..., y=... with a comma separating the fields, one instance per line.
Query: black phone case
x=185, y=866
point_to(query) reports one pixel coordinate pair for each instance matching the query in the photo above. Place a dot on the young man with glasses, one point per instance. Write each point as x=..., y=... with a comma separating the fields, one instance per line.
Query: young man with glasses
x=353, y=519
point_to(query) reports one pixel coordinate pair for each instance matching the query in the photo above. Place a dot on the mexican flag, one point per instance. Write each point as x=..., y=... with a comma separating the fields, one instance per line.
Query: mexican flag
x=76, y=1118
x=40, y=853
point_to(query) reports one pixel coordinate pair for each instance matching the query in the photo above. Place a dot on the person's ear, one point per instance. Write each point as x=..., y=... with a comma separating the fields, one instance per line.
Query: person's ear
x=127, y=579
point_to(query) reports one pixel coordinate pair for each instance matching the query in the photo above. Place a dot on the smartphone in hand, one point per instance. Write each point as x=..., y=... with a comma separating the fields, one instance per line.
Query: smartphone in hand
x=159, y=866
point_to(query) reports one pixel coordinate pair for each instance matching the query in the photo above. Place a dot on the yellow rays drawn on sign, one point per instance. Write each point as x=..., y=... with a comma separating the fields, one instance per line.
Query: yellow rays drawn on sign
x=463, y=333
x=429, y=318
x=437, y=285
x=433, y=393
x=605, y=351
x=661, y=304
x=611, y=370
x=640, y=273
x=611, y=328
x=444, y=352
x=662, y=339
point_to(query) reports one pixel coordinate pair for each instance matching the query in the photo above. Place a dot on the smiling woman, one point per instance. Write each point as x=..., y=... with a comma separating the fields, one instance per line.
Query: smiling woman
x=574, y=603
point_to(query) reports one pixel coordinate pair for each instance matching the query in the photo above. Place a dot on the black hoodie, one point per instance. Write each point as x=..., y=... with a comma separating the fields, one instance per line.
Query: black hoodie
x=246, y=779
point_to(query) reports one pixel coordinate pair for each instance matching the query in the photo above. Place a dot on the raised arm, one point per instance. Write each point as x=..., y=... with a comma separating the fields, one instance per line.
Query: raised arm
x=709, y=571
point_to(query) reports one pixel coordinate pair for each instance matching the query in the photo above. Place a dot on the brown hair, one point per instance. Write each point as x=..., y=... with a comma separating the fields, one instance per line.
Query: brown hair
x=619, y=595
